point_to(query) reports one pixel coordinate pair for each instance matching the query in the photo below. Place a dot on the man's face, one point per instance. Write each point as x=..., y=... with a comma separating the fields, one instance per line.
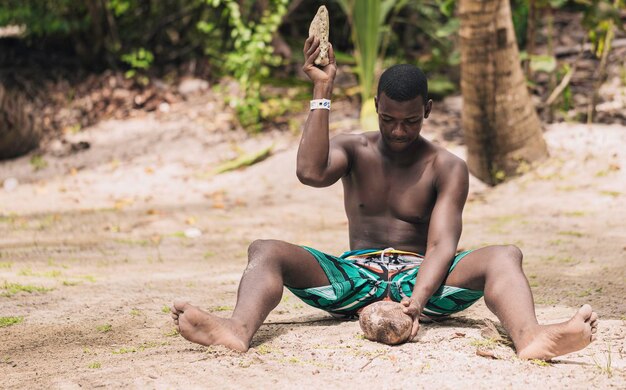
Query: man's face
x=400, y=123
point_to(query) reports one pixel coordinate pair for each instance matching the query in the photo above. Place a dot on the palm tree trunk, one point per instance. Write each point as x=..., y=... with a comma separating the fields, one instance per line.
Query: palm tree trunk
x=501, y=127
x=19, y=129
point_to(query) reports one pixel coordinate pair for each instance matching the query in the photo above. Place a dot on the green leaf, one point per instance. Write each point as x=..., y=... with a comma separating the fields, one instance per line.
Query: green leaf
x=244, y=160
x=542, y=63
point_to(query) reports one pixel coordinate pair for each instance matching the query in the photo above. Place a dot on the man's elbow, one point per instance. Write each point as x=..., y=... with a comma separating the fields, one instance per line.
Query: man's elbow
x=311, y=179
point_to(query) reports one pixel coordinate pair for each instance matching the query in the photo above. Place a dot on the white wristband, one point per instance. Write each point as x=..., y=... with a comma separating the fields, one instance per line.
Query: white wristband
x=320, y=103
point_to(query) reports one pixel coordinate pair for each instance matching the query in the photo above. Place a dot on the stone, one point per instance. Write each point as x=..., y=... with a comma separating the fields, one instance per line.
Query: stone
x=192, y=86
x=386, y=323
x=319, y=28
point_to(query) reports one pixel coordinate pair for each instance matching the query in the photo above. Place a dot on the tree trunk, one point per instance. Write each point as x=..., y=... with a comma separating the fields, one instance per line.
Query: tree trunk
x=19, y=129
x=501, y=127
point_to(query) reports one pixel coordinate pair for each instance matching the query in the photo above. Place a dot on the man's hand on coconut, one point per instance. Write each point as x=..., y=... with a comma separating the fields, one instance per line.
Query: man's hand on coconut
x=413, y=309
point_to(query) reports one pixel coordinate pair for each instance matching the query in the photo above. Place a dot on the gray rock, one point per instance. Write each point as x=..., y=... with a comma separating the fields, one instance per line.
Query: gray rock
x=192, y=86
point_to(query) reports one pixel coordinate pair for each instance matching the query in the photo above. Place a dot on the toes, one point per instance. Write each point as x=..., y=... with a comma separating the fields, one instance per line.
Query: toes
x=594, y=330
x=585, y=312
x=594, y=317
x=593, y=337
x=175, y=316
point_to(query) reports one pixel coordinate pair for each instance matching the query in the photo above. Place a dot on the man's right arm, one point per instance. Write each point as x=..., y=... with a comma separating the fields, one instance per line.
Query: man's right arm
x=321, y=162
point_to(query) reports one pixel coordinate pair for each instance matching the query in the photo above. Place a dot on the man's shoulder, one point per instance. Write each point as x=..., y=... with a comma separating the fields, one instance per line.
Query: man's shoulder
x=446, y=159
x=447, y=164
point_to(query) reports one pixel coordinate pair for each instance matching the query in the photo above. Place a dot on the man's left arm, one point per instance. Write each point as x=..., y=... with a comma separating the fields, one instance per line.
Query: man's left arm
x=444, y=231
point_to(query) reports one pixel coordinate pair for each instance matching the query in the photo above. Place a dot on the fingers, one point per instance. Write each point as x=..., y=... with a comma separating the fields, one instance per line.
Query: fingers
x=414, y=329
x=331, y=53
x=310, y=45
x=310, y=60
x=410, y=308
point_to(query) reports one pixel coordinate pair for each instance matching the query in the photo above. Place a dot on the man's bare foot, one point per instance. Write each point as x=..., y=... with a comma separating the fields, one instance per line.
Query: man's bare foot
x=554, y=340
x=203, y=328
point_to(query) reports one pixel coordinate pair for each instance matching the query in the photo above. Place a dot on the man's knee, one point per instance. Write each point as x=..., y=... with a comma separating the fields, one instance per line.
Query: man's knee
x=263, y=250
x=510, y=253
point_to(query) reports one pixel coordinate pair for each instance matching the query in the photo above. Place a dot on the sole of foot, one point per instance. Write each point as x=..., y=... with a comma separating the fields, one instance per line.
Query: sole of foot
x=204, y=328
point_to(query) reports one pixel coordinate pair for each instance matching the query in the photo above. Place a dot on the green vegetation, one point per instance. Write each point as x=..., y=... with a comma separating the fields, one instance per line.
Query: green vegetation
x=486, y=343
x=48, y=274
x=614, y=194
x=129, y=241
x=89, y=278
x=8, y=321
x=244, y=160
x=38, y=163
x=104, y=328
x=124, y=350
x=570, y=233
x=250, y=55
x=605, y=367
x=237, y=39
x=540, y=363
x=95, y=365
x=576, y=213
x=140, y=348
x=11, y=289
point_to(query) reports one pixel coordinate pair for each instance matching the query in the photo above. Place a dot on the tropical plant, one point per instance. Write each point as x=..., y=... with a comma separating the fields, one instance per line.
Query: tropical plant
x=367, y=24
x=251, y=55
x=600, y=18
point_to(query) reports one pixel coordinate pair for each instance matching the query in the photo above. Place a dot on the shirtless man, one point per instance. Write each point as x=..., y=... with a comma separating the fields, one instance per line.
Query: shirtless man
x=404, y=198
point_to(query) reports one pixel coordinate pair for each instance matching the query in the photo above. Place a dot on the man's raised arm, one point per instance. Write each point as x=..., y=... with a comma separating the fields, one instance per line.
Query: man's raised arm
x=320, y=162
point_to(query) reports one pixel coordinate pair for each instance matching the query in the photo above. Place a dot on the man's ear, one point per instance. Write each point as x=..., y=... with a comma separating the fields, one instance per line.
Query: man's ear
x=376, y=103
x=428, y=107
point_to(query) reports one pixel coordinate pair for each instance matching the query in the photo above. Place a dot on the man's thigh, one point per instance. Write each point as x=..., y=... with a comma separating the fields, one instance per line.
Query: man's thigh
x=300, y=269
x=470, y=271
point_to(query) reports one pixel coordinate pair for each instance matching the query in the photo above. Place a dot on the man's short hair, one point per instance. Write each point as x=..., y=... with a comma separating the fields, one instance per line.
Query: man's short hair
x=403, y=82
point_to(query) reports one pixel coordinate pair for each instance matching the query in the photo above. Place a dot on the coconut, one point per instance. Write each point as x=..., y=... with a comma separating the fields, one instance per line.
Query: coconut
x=386, y=323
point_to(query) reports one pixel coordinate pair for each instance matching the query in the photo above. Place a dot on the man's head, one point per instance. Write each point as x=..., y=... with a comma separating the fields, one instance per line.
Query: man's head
x=402, y=104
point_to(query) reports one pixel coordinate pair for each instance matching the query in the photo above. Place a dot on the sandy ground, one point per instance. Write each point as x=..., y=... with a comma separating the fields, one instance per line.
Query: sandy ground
x=100, y=236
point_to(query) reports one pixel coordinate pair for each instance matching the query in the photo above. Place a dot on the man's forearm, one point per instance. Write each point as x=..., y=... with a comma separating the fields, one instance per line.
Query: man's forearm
x=314, y=146
x=431, y=275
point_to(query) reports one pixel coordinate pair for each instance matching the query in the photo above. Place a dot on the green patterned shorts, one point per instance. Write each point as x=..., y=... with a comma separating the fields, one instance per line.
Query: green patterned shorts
x=358, y=278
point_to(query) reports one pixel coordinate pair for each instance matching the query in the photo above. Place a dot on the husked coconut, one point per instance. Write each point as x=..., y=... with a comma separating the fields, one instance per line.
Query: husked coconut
x=386, y=323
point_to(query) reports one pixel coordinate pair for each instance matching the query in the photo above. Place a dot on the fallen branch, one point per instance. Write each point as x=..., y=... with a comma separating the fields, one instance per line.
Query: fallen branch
x=561, y=87
x=244, y=160
x=370, y=361
x=567, y=51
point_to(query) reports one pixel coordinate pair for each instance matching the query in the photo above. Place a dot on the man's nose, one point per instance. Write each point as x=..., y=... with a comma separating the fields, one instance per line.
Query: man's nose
x=398, y=129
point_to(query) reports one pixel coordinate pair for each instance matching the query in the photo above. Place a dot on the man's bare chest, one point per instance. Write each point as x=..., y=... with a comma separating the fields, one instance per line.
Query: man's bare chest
x=405, y=193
